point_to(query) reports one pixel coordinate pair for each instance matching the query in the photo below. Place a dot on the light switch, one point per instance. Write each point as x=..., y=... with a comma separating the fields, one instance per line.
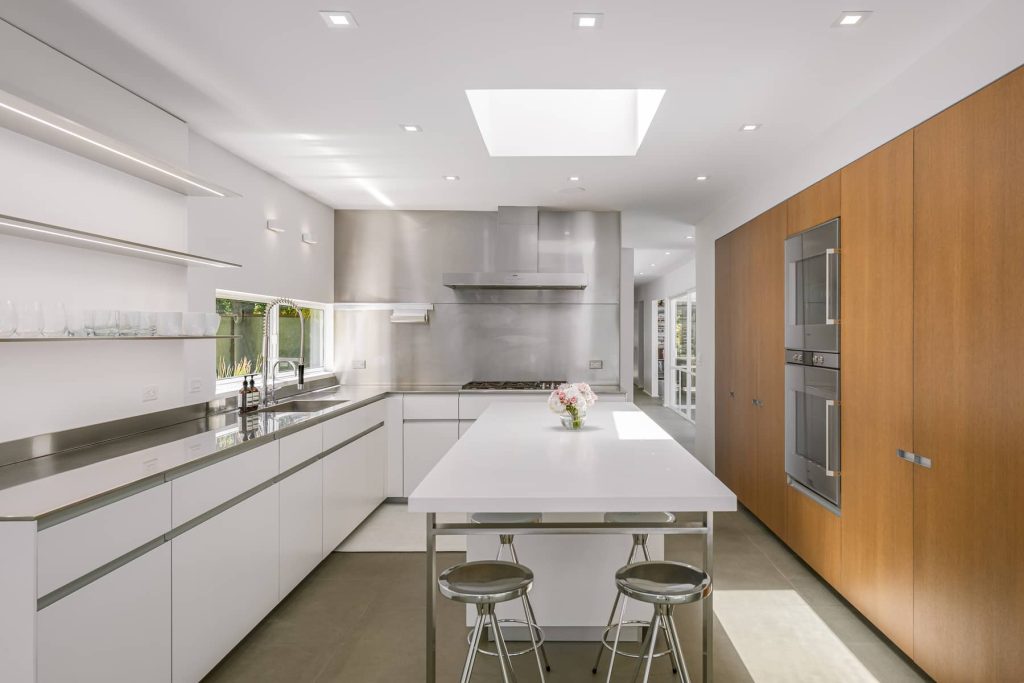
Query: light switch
x=597, y=365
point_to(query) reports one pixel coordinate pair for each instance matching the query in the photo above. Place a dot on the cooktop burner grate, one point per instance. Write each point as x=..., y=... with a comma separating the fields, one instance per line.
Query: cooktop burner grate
x=542, y=385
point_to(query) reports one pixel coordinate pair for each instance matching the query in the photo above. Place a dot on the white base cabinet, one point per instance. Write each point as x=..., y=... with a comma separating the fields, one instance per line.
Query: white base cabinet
x=117, y=628
x=224, y=581
x=426, y=443
x=353, y=486
x=302, y=509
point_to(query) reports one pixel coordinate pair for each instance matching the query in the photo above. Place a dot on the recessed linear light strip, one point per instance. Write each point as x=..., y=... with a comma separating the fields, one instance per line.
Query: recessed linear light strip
x=108, y=148
x=68, y=234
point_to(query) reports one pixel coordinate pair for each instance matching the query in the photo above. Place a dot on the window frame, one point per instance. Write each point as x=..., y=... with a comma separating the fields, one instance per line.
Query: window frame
x=229, y=385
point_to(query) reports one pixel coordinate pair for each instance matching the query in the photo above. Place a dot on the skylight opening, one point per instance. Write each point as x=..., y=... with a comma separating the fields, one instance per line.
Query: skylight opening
x=553, y=123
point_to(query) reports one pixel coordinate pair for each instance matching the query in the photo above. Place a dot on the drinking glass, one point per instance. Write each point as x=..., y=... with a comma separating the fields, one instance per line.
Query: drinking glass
x=168, y=324
x=128, y=323
x=78, y=324
x=30, y=319
x=147, y=324
x=54, y=320
x=193, y=324
x=104, y=323
x=8, y=318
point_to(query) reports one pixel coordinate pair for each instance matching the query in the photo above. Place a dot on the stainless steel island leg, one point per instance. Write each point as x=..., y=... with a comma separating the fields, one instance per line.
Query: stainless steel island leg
x=708, y=616
x=431, y=599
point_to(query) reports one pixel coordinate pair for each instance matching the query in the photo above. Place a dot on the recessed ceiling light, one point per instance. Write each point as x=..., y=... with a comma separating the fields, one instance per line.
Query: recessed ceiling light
x=574, y=179
x=580, y=122
x=848, y=19
x=641, y=273
x=410, y=128
x=652, y=265
x=689, y=237
x=667, y=253
x=339, y=19
x=451, y=177
x=747, y=127
x=701, y=178
x=587, y=20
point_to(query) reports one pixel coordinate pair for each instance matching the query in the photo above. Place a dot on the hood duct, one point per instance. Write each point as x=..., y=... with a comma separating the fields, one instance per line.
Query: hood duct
x=515, y=255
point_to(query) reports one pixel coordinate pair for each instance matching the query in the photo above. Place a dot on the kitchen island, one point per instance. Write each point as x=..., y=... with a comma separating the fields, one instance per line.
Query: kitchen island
x=518, y=458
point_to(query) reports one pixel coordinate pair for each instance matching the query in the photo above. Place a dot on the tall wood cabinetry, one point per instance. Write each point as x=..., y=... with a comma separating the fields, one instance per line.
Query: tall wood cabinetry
x=749, y=409
x=932, y=253
x=877, y=386
x=968, y=402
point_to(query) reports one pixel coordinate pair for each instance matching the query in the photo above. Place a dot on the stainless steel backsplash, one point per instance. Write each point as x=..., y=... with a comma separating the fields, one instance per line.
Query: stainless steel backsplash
x=399, y=256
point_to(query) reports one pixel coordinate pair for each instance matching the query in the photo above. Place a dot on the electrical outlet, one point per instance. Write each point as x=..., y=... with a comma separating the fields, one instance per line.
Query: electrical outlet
x=195, y=385
x=597, y=365
x=150, y=393
x=359, y=365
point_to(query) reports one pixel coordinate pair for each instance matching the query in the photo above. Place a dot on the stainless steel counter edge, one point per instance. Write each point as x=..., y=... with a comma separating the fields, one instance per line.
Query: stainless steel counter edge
x=106, y=497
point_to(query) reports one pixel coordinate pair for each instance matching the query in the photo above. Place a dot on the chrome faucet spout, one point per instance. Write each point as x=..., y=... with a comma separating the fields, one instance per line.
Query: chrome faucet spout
x=300, y=366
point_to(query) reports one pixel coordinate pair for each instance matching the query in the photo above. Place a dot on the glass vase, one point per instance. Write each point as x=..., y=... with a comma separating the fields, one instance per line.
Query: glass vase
x=574, y=421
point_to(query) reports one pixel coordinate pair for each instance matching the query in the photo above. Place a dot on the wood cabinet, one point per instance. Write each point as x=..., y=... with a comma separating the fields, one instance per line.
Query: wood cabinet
x=749, y=451
x=224, y=576
x=117, y=628
x=968, y=404
x=302, y=524
x=877, y=384
x=815, y=205
x=814, y=533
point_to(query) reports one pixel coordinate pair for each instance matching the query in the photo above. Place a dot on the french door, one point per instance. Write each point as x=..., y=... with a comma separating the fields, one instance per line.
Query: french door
x=683, y=396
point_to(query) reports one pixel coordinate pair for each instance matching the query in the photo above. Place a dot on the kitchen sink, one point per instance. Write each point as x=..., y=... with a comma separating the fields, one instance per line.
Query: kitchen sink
x=298, y=406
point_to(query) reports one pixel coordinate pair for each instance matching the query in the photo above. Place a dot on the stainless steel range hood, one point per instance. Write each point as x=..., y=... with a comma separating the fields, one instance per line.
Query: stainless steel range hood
x=516, y=257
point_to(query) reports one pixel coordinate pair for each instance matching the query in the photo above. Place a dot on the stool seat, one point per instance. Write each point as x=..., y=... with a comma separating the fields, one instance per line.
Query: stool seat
x=663, y=583
x=488, y=581
x=505, y=517
x=639, y=517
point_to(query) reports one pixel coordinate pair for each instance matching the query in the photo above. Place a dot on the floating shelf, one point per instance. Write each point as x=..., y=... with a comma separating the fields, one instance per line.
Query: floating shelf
x=39, y=123
x=19, y=227
x=84, y=339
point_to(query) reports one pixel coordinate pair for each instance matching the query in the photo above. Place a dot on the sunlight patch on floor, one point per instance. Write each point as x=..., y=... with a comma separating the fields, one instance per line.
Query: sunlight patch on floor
x=781, y=639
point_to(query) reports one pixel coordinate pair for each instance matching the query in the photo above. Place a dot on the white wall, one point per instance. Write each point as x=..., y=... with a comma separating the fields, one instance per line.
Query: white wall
x=984, y=49
x=675, y=282
x=53, y=386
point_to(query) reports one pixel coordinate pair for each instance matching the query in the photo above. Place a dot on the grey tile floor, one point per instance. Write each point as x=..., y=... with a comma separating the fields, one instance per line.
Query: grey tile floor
x=359, y=617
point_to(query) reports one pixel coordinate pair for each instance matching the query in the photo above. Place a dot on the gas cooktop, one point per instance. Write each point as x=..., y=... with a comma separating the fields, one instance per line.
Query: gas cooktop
x=543, y=385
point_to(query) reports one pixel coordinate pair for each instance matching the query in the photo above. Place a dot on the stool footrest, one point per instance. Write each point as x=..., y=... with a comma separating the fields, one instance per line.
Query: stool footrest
x=632, y=622
x=538, y=633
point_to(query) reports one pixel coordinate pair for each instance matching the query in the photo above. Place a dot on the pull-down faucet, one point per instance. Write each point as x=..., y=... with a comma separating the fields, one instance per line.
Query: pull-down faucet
x=297, y=363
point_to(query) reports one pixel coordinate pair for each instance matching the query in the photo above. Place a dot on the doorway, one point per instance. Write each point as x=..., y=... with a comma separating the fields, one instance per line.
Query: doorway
x=682, y=351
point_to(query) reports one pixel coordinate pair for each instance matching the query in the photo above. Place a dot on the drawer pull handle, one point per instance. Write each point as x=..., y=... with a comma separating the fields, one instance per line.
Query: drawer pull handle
x=914, y=458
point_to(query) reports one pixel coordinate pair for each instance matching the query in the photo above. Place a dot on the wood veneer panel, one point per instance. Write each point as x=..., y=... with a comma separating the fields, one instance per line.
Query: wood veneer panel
x=817, y=204
x=814, y=534
x=743, y=420
x=968, y=401
x=769, y=267
x=877, y=375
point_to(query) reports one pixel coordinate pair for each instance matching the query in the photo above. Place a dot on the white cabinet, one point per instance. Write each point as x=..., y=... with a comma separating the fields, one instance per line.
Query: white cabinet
x=302, y=506
x=224, y=581
x=117, y=628
x=299, y=447
x=353, y=486
x=431, y=406
x=425, y=444
x=202, y=490
x=464, y=426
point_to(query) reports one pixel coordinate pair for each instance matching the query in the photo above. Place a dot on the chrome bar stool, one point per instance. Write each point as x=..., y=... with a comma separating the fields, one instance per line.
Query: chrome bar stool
x=663, y=585
x=506, y=541
x=639, y=549
x=486, y=584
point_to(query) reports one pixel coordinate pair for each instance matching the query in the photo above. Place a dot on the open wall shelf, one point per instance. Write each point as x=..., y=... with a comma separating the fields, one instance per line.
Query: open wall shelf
x=19, y=227
x=88, y=339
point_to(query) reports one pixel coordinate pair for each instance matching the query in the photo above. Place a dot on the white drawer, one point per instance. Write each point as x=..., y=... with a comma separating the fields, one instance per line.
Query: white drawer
x=299, y=447
x=431, y=406
x=73, y=548
x=205, y=489
x=471, y=406
x=344, y=427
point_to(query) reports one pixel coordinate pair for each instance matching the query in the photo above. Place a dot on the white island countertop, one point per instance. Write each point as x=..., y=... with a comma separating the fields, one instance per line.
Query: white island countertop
x=517, y=457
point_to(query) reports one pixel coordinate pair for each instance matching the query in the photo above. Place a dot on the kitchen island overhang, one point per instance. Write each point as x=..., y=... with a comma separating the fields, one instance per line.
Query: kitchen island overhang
x=517, y=458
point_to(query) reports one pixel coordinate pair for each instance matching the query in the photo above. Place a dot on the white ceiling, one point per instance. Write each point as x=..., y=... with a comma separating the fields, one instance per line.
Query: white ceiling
x=321, y=108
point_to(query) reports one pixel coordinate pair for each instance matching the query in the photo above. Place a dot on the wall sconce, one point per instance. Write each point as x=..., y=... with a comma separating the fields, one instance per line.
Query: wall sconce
x=273, y=225
x=307, y=237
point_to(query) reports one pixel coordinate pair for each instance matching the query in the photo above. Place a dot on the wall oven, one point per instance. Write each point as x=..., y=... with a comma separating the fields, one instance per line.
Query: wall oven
x=812, y=364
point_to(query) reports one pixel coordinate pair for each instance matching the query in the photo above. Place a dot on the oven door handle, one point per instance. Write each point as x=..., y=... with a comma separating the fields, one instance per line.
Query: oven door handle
x=830, y=471
x=830, y=317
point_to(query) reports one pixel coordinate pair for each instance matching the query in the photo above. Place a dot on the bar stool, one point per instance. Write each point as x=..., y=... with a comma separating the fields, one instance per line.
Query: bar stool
x=486, y=584
x=639, y=546
x=506, y=541
x=663, y=585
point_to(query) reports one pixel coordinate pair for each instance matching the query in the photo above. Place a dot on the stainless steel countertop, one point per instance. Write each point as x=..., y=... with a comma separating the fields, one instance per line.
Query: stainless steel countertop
x=59, y=484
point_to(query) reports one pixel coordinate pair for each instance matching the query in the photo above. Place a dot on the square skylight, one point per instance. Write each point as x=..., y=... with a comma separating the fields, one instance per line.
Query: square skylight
x=564, y=123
